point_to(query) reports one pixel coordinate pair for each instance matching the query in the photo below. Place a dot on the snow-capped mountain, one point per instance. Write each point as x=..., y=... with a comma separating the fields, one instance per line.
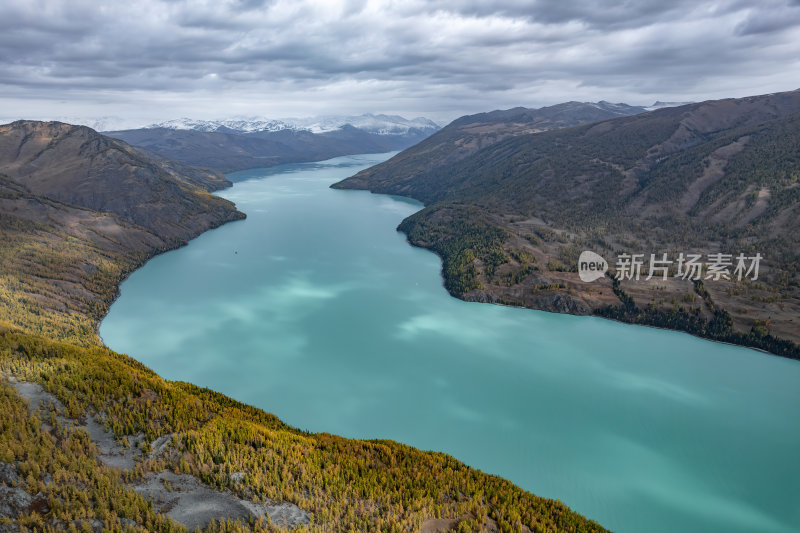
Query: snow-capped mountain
x=659, y=104
x=622, y=110
x=232, y=125
x=378, y=124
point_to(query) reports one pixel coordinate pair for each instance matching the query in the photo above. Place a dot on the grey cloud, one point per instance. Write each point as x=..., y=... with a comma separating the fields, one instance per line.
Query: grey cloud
x=433, y=55
x=772, y=19
x=602, y=14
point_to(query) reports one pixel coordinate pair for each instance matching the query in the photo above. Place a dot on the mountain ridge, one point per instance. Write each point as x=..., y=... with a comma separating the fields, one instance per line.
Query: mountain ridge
x=218, y=146
x=76, y=165
x=466, y=135
x=380, y=124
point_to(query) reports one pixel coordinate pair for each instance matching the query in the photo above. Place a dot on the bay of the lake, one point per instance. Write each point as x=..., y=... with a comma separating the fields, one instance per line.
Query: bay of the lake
x=317, y=310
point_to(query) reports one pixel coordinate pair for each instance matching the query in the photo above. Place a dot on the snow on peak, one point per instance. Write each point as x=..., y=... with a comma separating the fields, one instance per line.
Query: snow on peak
x=619, y=109
x=236, y=125
x=659, y=104
x=379, y=124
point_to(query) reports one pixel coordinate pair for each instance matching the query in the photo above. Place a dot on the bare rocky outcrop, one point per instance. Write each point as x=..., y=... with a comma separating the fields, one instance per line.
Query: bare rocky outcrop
x=14, y=500
x=8, y=474
x=182, y=497
x=186, y=500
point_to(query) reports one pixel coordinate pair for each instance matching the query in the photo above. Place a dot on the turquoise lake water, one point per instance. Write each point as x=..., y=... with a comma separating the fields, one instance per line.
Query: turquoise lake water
x=317, y=310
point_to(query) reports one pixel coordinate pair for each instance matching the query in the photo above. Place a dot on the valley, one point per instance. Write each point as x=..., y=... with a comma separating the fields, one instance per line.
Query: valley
x=81, y=211
x=399, y=267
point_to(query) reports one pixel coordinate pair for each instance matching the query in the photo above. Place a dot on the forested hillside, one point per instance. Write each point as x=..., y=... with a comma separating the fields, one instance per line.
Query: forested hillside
x=714, y=177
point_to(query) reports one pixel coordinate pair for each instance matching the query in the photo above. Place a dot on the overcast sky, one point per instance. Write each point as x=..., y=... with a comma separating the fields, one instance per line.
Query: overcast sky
x=151, y=60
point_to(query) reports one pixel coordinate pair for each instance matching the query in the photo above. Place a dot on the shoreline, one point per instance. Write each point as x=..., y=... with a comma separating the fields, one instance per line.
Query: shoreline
x=593, y=312
x=232, y=183
x=136, y=267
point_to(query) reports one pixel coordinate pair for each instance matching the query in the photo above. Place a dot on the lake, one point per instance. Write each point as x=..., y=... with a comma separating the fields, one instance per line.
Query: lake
x=317, y=310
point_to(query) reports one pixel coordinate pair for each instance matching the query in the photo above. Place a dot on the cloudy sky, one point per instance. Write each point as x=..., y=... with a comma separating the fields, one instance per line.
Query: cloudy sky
x=150, y=60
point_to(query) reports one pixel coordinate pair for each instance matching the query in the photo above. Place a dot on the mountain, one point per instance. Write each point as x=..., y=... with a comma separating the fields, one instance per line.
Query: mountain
x=556, y=116
x=658, y=104
x=79, y=209
x=510, y=217
x=92, y=440
x=225, y=126
x=230, y=145
x=468, y=134
x=378, y=124
x=102, y=123
x=78, y=166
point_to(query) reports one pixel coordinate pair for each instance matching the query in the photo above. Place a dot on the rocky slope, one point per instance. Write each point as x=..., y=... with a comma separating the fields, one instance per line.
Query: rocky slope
x=510, y=219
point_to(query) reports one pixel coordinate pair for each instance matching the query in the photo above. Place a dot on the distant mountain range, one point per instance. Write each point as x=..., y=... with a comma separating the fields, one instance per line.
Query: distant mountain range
x=511, y=205
x=236, y=144
x=377, y=124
